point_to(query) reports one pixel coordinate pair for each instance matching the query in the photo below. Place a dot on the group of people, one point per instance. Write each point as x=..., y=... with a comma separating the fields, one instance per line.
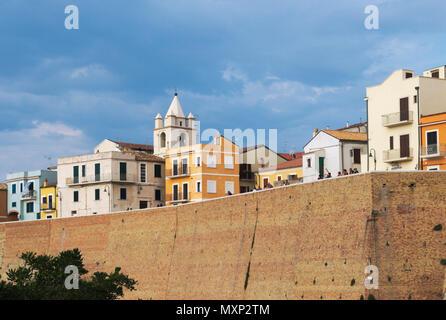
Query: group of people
x=343, y=173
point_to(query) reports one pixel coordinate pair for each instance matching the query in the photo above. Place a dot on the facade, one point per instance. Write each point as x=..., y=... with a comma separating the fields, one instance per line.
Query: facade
x=48, y=200
x=433, y=141
x=4, y=216
x=24, y=192
x=202, y=171
x=111, y=181
x=332, y=151
x=393, y=110
x=285, y=173
x=252, y=159
x=109, y=145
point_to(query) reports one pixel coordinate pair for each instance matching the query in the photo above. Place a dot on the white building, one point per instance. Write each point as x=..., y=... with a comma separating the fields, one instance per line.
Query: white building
x=393, y=111
x=109, y=181
x=176, y=131
x=333, y=151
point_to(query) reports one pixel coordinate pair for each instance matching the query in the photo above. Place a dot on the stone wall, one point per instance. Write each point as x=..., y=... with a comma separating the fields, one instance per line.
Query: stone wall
x=308, y=241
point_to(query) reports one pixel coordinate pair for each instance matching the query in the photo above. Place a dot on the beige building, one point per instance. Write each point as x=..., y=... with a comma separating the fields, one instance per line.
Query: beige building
x=108, y=182
x=393, y=111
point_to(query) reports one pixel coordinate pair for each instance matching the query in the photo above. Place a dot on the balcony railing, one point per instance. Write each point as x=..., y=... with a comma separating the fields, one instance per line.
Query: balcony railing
x=116, y=178
x=29, y=194
x=46, y=207
x=247, y=176
x=397, y=119
x=177, y=172
x=179, y=197
x=396, y=155
x=433, y=150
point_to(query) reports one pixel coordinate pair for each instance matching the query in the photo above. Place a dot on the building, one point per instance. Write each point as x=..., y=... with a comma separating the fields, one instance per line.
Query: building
x=48, y=200
x=332, y=151
x=24, y=192
x=4, y=216
x=254, y=158
x=357, y=127
x=433, y=141
x=202, y=171
x=285, y=173
x=394, y=108
x=110, y=181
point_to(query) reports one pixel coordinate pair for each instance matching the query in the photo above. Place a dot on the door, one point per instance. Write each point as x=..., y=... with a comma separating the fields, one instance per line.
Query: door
x=50, y=202
x=321, y=166
x=404, y=109
x=184, y=166
x=404, y=146
x=175, y=167
x=185, y=191
x=175, y=192
x=265, y=182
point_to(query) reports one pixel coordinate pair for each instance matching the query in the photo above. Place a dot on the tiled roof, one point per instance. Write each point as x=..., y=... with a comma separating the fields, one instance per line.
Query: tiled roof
x=291, y=156
x=295, y=163
x=135, y=146
x=147, y=157
x=251, y=148
x=3, y=186
x=353, y=126
x=346, y=135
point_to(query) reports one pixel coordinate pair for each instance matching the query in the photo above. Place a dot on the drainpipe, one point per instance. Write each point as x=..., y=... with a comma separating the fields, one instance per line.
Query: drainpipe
x=342, y=155
x=366, y=99
x=419, y=164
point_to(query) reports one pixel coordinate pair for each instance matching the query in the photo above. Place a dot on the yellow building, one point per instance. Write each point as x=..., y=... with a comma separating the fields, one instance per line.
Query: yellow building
x=289, y=172
x=202, y=171
x=48, y=201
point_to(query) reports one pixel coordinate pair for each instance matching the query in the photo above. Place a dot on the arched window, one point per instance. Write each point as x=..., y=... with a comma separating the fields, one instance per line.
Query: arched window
x=182, y=140
x=163, y=139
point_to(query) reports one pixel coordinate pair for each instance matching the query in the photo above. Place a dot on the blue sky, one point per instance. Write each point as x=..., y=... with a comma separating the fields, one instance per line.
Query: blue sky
x=290, y=65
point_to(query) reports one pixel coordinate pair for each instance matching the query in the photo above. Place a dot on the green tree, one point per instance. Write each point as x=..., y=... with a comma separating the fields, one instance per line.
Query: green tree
x=43, y=277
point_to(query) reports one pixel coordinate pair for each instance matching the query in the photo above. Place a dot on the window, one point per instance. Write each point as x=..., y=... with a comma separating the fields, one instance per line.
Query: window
x=432, y=142
x=408, y=75
x=76, y=174
x=142, y=172
x=175, y=167
x=185, y=191
x=143, y=204
x=198, y=161
x=83, y=170
x=123, y=194
x=404, y=146
x=97, y=194
x=415, y=99
x=158, y=171
x=198, y=186
x=212, y=161
x=21, y=186
x=30, y=207
x=50, y=201
x=14, y=188
x=308, y=163
x=73, y=213
x=175, y=192
x=97, y=172
x=229, y=186
x=391, y=143
x=14, y=204
x=212, y=186
x=76, y=196
x=357, y=156
x=265, y=182
x=184, y=166
x=436, y=74
x=44, y=200
x=157, y=195
x=49, y=216
x=229, y=162
x=123, y=171
x=279, y=178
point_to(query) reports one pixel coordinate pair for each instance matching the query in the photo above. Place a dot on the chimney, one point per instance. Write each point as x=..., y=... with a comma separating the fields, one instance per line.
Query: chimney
x=45, y=182
x=315, y=131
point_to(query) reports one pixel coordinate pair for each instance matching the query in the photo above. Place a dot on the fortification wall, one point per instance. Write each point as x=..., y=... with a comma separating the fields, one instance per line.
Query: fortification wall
x=308, y=241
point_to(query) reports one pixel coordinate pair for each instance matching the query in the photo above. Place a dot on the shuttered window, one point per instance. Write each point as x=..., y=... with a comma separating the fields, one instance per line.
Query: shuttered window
x=212, y=186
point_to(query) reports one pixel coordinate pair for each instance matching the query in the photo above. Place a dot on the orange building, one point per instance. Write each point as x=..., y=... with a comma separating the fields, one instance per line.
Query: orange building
x=433, y=142
x=202, y=171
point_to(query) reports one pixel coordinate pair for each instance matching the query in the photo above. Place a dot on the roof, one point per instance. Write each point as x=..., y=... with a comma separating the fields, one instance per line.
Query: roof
x=291, y=156
x=246, y=149
x=3, y=186
x=134, y=146
x=295, y=163
x=147, y=157
x=346, y=135
x=175, y=108
x=354, y=125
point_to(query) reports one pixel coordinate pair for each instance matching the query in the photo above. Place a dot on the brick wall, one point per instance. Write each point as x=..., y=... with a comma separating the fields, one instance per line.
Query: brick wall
x=309, y=241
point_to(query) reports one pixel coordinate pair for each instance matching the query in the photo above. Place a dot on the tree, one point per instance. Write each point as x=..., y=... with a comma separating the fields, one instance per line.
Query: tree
x=43, y=277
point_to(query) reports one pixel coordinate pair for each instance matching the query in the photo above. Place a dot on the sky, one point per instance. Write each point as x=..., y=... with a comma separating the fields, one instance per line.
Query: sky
x=286, y=64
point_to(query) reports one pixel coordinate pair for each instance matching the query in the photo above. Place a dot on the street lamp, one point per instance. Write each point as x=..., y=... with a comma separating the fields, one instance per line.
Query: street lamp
x=374, y=156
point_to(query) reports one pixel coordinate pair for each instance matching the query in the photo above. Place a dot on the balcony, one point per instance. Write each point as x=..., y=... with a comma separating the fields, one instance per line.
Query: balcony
x=177, y=172
x=47, y=207
x=29, y=195
x=286, y=182
x=397, y=119
x=247, y=176
x=395, y=155
x=177, y=198
x=102, y=178
x=433, y=151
